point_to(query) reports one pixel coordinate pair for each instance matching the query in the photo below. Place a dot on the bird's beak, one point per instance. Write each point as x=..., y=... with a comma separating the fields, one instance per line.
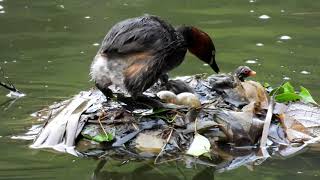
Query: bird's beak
x=214, y=65
x=252, y=73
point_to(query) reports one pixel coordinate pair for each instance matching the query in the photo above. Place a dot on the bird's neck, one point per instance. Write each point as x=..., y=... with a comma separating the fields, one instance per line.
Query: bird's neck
x=186, y=32
x=239, y=76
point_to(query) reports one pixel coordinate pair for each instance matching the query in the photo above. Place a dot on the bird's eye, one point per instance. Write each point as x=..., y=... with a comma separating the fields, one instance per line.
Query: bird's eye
x=246, y=71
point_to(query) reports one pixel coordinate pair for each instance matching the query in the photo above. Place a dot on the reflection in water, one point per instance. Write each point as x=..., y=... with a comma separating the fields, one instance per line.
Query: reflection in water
x=7, y=104
x=149, y=171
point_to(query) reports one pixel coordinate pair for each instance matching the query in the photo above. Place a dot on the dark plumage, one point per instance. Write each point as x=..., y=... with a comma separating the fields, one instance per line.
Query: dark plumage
x=227, y=81
x=232, y=86
x=137, y=52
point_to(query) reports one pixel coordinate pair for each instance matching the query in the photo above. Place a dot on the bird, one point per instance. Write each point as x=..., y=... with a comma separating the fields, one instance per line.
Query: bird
x=138, y=52
x=236, y=90
x=227, y=81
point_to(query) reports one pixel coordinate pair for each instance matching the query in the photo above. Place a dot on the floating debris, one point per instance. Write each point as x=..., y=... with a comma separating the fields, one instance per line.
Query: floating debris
x=305, y=72
x=15, y=94
x=199, y=146
x=251, y=11
x=150, y=142
x=1, y=7
x=252, y=1
x=264, y=17
x=286, y=78
x=95, y=44
x=61, y=6
x=91, y=125
x=87, y=17
x=285, y=37
x=282, y=11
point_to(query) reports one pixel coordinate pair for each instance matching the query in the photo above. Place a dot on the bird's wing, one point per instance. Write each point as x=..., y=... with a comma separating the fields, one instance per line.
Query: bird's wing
x=140, y=75
x=137, y=35
x=222, y=81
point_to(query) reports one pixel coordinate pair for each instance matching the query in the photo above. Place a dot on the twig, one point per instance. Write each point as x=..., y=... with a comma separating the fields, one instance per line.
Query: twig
x=99, y=120
x=10, y=88
x=163, y=147
x=8, y=85
x=195, y=126
x=266, y=126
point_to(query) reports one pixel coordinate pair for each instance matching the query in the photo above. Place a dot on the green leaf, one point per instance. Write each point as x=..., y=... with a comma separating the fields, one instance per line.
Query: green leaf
x=266, y=85
x=288, y=88
x=278, y=90
x=306, y=96
x=287, y=97
x=103, y=138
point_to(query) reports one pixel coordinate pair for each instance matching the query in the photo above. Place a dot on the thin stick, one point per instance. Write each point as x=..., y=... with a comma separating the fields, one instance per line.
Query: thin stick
x=163, y=147
x=266, y=126
x=195, y=126
x=10, y=86
x=99, y=120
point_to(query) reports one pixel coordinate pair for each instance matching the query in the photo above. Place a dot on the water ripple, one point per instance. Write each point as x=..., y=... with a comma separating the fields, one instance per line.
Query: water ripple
x=264, y=17
x=285, y=37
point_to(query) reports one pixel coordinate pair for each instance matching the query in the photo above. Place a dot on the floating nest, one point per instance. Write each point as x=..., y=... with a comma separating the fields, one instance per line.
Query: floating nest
x=230, y=128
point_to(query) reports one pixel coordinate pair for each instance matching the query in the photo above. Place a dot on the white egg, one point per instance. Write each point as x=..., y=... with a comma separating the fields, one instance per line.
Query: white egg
x=188, y=99
x=167, y=96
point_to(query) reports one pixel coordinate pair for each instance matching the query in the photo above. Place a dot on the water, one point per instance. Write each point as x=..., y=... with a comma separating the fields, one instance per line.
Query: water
x=46, y=48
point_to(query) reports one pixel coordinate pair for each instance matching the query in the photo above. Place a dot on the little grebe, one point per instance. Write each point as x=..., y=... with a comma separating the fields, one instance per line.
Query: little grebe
x=137, y=52
x=237, y=91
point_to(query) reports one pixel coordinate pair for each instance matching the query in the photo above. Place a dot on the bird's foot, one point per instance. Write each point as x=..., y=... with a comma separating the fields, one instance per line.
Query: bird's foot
x=139, y=102
x=106, y=91
x=148, y=101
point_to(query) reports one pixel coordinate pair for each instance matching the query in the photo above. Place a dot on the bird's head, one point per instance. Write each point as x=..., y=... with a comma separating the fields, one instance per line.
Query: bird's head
x=200, y=44
x=243, y=72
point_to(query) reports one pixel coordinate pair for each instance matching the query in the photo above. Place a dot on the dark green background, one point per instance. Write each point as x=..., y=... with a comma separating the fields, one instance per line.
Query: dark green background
x=46, y=50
